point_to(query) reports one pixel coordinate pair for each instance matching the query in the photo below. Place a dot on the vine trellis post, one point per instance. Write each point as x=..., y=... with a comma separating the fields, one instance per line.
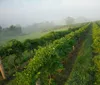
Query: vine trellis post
x=38, y=82
x=2, y=70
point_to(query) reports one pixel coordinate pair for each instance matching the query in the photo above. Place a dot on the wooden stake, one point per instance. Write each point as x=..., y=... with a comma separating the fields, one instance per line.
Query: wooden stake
x=73, y=47
x=2, y=70
x=38, y=82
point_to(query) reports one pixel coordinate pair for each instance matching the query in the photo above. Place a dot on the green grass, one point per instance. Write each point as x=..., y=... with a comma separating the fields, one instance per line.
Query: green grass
x=31, y=36
x=23, y=37
x=80, y=72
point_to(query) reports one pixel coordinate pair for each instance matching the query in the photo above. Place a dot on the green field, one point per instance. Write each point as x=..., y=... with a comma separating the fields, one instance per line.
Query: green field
x=23, y=37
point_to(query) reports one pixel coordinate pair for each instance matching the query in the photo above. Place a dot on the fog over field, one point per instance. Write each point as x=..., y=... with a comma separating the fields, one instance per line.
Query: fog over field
x=27, y=12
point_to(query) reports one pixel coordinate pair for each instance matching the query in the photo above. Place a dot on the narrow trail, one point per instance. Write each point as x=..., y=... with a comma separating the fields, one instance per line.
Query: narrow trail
x=80, y=74
x=68, y=65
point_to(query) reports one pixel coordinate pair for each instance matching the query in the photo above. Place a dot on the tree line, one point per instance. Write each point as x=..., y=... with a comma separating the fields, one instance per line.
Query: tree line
x=10, y=31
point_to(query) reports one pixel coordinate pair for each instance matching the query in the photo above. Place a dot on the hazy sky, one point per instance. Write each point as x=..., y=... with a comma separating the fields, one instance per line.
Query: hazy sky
x=26, y=12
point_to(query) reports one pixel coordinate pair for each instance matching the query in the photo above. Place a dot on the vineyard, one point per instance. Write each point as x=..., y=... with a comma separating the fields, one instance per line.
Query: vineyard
x=65, y=57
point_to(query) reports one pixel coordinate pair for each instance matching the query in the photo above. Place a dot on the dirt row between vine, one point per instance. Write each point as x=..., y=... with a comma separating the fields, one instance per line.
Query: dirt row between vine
x=69, y=62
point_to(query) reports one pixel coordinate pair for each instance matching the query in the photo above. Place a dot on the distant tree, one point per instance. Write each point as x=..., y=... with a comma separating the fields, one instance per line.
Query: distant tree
x=12, y=27
x=14, y=30
x=0, y=29
x=70, y=21
x=18, y=29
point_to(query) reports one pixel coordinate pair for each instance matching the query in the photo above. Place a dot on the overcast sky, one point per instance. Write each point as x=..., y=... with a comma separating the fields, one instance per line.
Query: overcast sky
x=26, y=12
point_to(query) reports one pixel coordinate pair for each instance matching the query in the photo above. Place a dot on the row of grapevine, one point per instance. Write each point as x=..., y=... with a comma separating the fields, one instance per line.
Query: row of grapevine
x=80, y=74
x=17, y=53
x=96, y=52
x=48, y=60
x=16, y=47
x=98, y=23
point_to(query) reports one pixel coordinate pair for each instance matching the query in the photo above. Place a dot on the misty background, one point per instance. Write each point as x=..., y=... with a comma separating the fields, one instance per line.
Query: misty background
x=23, y=17
x=27, y=12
